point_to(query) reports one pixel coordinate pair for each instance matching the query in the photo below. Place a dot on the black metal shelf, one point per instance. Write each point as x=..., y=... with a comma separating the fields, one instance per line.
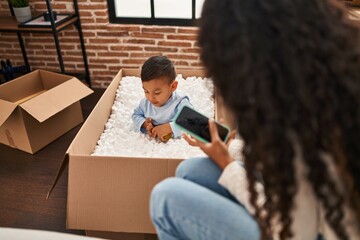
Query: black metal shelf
x=9, y=24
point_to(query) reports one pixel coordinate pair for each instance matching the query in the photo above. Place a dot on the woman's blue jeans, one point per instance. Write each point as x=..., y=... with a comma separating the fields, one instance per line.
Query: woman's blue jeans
x=194, y=206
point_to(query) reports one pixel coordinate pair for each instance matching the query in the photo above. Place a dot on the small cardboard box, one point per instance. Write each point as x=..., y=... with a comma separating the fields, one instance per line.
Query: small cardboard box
x=112, y=193
x=39, y=107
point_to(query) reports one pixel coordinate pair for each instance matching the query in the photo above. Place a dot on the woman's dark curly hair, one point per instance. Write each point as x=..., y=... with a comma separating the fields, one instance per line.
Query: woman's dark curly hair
x=290, y=69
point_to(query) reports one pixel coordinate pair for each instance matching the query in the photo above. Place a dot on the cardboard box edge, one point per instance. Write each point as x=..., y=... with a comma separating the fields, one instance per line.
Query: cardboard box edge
x=7, y=109
x=65, y=161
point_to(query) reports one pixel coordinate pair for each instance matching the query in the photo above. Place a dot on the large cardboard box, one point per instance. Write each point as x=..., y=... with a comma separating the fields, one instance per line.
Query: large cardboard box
x=38, y=107
x=106, y=193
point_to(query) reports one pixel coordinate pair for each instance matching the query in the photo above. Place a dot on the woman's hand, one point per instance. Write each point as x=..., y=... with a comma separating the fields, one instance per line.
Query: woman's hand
x=217, y=150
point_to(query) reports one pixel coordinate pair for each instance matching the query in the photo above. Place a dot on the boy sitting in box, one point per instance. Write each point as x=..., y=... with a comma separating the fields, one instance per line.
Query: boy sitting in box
x=154, y=115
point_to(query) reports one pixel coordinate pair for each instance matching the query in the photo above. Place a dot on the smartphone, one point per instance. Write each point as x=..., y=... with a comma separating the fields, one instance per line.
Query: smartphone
x=197, y=125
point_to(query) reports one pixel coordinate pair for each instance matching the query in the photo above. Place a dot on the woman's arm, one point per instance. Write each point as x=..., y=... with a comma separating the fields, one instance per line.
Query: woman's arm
x=235, y=181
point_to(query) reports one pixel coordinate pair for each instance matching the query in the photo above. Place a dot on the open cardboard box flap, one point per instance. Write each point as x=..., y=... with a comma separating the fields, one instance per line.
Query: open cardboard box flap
x=84, y=131
x=60, y=171
x=56, y=99
x=6, y=109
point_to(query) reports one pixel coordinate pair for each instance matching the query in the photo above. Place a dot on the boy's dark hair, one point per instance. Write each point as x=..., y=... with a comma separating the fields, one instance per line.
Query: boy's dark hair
x=158, y=67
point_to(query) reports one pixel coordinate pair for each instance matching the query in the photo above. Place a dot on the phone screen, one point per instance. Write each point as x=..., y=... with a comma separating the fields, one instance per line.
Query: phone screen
x=197, y=125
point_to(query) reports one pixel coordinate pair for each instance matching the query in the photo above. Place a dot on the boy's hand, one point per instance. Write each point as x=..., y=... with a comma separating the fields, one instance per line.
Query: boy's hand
x=164, y=132
x=149, y=127
x=217, y=150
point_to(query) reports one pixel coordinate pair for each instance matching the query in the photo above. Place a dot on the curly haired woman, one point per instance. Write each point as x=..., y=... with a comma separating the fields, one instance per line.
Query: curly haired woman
x=289, y=71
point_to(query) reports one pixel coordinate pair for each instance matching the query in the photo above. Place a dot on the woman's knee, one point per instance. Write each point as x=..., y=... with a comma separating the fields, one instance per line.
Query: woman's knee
x=192, y=166
x=161, y=195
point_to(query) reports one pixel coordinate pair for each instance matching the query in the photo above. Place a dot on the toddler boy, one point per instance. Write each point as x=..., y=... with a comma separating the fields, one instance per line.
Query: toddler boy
x=154, y=115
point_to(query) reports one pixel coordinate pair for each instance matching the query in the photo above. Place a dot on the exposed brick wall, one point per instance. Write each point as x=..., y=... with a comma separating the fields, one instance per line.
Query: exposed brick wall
x=109, y=47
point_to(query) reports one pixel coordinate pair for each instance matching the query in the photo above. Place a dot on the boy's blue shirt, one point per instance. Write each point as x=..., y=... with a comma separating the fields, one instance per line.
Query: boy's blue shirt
x=160, y=115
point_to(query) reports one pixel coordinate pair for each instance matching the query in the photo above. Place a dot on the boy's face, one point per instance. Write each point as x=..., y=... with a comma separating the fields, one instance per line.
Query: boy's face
x=158, y=90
